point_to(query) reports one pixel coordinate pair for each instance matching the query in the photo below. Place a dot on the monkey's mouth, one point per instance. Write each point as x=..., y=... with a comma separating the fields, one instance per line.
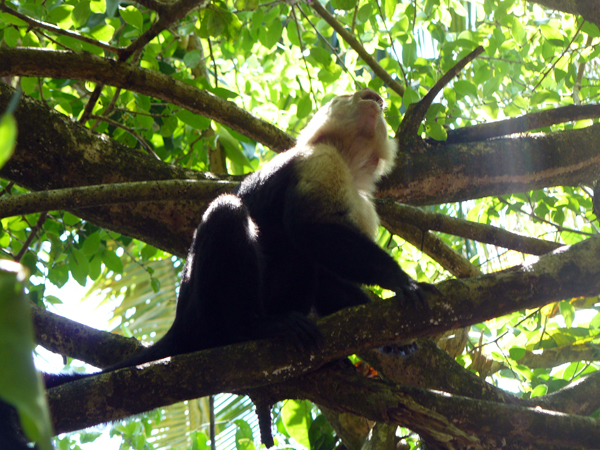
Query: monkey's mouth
x=370, y=95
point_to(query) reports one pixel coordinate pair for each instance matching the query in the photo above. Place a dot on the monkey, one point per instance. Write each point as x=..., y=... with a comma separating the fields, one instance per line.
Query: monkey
x=295, y=237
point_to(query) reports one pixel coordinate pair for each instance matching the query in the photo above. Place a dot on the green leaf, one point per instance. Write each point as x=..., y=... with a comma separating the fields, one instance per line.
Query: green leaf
x=61, y=15
x=409, y=53
x=553, y=35
x=244, y=440
x=79, y=266
x=390, y=8
x=192, y=58
x=193, y=120
x=8, y=137
x=70, y=219
x=91, y=244
x=568, y=312
x=465, y=88
x=232, y=146
x=345, y=5
x=410, y=97
x=95, y=267
x=132, y=16
x=11, y=36
x=9, y=18
x=58, y=275
x=103, y=32
x=297, y=418
x=517, y=353
x=518, y=32
x=364, y=13
x=81, y=13
x=305, y=107
x=199, y=441
x=321, y=434
x=539, y=391
x=436, y=131
x=148, y=252
x=269, y=36
x=53, y=300
x=98, y=6
x=155, y=284
x=330, y=74
x=20, y=384
x=246, y=5
x=112, y=261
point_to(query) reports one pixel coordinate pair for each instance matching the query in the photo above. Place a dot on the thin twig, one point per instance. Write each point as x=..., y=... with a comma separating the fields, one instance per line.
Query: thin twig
x=392, y=43
x=527, y=122
x=358, y=48
x=140, y=139
x=416, y=111
x=31, y=237
x=330, y=48
x=558, y=227
x=302, y=53
x=559, y=58
x=53, y=28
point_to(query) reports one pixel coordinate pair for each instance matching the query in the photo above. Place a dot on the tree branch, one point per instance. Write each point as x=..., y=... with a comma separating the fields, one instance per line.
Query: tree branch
x=456, y=421
x=113, y=194
x=569, y=271
x=415, y=112
x=458, y=172
x=434, y=247
x=358, y=48
x=85, y=66
x=489, y=234
x=69, y=338
x=57, y=30
x=526, y=122
x=590, y=11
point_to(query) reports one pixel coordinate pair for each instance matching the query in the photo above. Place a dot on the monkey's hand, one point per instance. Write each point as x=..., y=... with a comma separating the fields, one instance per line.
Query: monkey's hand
x=299, y=330
x=415, y=292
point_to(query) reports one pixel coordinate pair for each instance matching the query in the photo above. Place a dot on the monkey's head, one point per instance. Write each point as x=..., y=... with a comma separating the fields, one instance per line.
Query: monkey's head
x=355, y=126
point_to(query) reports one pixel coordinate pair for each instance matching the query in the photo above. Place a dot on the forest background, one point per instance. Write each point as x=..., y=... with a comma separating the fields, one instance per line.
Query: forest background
x=133, y=116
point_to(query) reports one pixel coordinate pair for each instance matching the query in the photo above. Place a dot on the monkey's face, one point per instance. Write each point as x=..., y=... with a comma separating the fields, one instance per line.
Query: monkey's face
x=347, y=120
x=355, y=126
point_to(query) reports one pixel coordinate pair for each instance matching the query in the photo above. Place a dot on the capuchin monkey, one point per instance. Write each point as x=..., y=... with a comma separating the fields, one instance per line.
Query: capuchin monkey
x=295, y=237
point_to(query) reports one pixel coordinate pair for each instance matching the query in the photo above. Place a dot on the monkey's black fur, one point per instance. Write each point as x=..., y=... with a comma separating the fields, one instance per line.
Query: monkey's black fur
x=295, y=237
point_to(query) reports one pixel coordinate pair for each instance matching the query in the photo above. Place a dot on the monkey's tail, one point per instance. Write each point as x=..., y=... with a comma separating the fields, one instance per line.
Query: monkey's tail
x=263, y=412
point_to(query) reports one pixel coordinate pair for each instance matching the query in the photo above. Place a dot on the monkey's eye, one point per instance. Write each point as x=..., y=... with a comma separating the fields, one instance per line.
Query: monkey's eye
x=370, y=95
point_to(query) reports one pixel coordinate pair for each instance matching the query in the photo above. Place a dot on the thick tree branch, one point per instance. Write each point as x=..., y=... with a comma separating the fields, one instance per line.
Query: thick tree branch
x=53, y=152
x=589, y=10
x=552, y=357
x=451, y=420
x=526, y=122
x=69, y=338
x=434, y=247
x=458, y=172
x=113, y=194
x=580, y=397
x=569, y=271
x=489, y=234
x=85, y=66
